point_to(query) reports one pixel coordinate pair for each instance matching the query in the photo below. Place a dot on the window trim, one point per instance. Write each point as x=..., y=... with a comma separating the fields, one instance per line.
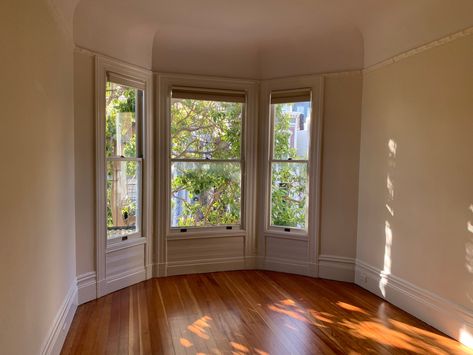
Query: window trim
x=314, y=83
x=126, y=74
x=248, y=155
x=195, y=229
x=139, y=85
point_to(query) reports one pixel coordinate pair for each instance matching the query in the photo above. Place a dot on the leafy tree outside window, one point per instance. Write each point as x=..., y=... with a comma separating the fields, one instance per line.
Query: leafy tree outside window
x=206, y=164
x=123, y=166
x=289, y=164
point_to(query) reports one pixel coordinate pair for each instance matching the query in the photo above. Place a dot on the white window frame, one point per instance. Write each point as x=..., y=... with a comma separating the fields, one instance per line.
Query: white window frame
x=138, y=85
x=248, y=154
x=107, y=69
x=311, y=230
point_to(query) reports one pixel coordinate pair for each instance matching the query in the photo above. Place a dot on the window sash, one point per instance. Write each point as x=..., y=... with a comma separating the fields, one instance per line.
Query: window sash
x=222, y=227
x=139, y=115
x=287, y=97
x=282, y=227
x=139, y=205
x=178, y=92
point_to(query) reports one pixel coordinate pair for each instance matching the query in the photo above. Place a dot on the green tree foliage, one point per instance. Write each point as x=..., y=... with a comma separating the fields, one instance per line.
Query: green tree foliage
x=288, y=180
x=208, y=193
x=120, y=100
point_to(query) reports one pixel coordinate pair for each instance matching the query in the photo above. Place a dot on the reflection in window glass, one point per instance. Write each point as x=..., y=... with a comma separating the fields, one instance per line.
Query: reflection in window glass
x=123, y=198
x=289, y=194
x=205, y=194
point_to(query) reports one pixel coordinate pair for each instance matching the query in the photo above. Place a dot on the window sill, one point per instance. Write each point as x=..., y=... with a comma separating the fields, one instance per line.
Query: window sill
x=294, y=234
x=204, y=234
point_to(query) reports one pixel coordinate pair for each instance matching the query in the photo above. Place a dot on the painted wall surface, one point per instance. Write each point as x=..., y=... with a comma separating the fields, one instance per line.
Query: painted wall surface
x=84, y=150
x=415, y=211
x=340, y=158
x=37, y=174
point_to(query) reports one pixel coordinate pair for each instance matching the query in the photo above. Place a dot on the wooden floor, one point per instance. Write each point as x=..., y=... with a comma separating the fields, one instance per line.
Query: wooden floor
x=249, y=312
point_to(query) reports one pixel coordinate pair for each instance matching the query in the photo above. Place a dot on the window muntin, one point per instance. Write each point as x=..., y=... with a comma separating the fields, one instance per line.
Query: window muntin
x=289, y=159
x=123, y=120
x=206, y=158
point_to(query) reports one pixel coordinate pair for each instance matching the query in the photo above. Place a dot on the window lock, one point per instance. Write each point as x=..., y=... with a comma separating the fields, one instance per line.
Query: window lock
x=124, y=238
x=183, y=230
x=229, y=227
x=287, y=229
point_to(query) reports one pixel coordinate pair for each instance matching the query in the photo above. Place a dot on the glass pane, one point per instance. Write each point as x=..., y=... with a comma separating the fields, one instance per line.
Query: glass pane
x=205, y=194
x=291, y=122
x=123, y=197
x=203, y=129
x=123, y=106
x=289, y=194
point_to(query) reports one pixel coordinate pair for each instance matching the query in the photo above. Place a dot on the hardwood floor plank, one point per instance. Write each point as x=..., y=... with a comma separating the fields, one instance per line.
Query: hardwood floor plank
x=249, y=312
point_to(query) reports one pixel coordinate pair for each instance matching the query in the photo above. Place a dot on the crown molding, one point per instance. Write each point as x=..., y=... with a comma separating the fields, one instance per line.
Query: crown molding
x=420, y=49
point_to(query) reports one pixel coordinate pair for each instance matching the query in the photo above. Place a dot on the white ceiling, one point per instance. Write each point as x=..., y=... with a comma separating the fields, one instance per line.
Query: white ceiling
x=263, y=38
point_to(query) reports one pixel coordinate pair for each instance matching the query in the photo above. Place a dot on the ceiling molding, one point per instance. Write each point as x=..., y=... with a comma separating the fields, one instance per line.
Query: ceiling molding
x=420, y=49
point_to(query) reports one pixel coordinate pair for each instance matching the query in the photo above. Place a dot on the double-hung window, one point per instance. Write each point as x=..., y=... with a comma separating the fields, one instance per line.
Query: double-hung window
x=290, y=113
x=124, y=109
x=206, y=158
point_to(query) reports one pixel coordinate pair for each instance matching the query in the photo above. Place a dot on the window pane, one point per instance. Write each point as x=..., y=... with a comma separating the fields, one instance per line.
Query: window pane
x=291, y=123
x=122, y=109
x=203, y=129
x=205, y=194
x=123, y=201
x=289, y=194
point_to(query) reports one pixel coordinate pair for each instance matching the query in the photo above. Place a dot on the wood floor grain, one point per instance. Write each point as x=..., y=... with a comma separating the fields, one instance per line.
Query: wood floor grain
x=249, y=312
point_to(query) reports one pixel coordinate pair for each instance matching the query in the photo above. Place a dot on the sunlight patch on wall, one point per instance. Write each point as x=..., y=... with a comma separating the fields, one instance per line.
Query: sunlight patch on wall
x=466, y=338
x=469, y=254
x=388, y=233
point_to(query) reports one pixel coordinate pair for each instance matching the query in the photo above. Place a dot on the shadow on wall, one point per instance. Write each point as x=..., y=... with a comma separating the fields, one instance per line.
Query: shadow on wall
x=388, y=232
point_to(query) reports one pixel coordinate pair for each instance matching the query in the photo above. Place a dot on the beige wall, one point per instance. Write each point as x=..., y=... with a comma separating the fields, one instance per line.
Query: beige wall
x=37, y=176
x=340, y=157
x=424, y=105
x=84, y=147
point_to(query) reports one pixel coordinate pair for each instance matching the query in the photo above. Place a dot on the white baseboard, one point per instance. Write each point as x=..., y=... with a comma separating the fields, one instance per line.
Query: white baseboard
x=58, y=331
x=87, y=287
x=338, y=268
x=446, y=316
x=125, y=279
x=205, y=265
x=288, y=265
x=159, y=270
